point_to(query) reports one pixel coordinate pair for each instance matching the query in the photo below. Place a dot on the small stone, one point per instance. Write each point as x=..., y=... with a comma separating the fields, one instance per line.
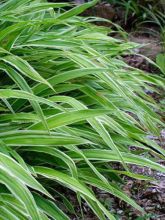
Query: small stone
x=150, y=208
x=120, y=212
x=162, y=134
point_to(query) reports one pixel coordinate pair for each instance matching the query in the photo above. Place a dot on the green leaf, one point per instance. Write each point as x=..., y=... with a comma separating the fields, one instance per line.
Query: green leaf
x=49, y=208
x=24, y=67
x=73, y=184
x=21, y=192
x=10, y=166
x=67, y=118
x=160, y=60
x=107, y=155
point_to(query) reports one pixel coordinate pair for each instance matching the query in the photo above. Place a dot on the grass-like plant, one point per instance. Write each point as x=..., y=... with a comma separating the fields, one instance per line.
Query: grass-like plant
x=70, y=107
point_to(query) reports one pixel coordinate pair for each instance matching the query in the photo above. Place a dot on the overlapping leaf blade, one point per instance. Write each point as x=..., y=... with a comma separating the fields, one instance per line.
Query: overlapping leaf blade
x=70, y=108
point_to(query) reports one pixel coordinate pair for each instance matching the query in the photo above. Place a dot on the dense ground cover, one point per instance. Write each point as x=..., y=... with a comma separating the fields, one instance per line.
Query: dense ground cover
x=70, y=109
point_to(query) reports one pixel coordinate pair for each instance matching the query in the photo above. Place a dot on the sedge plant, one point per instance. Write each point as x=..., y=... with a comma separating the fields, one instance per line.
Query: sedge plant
x=70, y=108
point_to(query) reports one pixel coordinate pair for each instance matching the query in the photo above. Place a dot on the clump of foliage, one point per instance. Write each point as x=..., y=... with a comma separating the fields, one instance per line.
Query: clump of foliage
x=140, y=10
x=69, y=109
